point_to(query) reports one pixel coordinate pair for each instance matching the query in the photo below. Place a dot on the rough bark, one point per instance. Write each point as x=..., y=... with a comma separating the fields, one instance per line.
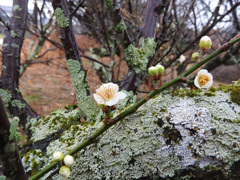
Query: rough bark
x=89, y=109
x=9, y=156
x=12, y=45
x=173, y=136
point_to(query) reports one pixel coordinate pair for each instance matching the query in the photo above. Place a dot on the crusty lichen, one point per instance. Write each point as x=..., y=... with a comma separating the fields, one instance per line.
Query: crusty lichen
x=59, y=119
x=6, y=97
x=18, y=104
x=14, y=34
x=61, y=19
x=16, y=7
x=121, y=26
x=137, y=58
x=86, y=104
x=14, y=130
x=163, y=137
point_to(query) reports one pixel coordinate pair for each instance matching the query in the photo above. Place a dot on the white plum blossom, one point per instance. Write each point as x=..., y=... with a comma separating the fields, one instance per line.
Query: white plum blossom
x=108, y=94
x=182, y=58
x=203, y=79
x=68, y=160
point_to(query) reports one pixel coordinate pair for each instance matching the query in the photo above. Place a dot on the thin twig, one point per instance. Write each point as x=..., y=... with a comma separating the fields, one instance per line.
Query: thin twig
x=92, y=59
x=4, y=23
x=75, y=10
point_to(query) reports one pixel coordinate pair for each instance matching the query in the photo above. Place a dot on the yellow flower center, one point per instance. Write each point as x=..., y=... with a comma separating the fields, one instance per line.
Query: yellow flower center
x=202, y=80
x=106, y=92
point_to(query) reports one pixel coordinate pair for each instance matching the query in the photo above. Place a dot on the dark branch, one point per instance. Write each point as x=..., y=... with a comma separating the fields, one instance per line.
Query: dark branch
x=75, y=10
x=9, y=156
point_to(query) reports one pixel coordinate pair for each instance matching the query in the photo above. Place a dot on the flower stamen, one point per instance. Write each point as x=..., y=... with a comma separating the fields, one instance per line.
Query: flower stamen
x=203, y=79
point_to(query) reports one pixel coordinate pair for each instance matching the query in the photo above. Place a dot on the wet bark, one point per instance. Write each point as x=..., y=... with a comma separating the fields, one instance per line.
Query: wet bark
x=9, y=81
x=9, y=157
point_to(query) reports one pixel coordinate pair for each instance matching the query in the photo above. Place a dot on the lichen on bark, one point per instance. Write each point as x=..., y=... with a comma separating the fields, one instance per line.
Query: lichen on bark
x=169, y=137
x=86, y=104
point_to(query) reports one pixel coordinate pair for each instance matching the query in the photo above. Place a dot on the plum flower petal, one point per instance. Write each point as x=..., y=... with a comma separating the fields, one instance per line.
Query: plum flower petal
x=204, y=79
x=108, y=94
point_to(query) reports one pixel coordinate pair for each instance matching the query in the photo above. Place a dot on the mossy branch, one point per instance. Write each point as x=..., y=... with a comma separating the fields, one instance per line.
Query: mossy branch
x=133, y=108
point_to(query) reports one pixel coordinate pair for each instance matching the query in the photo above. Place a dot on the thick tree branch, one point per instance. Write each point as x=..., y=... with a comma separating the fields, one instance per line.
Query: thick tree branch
x=11, y=62
x=9, y=156
x=86, y=104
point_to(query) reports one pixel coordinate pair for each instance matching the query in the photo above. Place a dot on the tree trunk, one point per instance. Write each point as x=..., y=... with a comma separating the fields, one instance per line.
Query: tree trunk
x=9, y=156
x=12, y=45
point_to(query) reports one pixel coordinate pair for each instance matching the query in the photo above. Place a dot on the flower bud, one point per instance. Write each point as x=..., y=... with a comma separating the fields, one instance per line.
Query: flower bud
x=195, y=56
x=182, y=58
x=205, y=43
x=65, y=171
x=152, y=71
x=160, y=69
x=58, y=156
x=68, y=160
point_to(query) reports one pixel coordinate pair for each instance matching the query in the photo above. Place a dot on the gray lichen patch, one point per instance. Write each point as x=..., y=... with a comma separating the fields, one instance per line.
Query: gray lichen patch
x=16, y=7
x=137, y=58
x=62, y=20
x=164, y=136
x=86, y=104
x=34, y=160
x=18, y=104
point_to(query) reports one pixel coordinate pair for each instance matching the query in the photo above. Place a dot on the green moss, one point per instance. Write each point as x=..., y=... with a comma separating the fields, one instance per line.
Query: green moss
x=209, y=93
x=61, y=19
x=235, y=94
x=86, y=104
x=186, y=92
x=137, y=58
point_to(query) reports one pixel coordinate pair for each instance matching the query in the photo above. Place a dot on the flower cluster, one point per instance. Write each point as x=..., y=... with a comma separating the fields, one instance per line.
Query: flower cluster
x=204, y=44
x=156, y=70
x=67, y=160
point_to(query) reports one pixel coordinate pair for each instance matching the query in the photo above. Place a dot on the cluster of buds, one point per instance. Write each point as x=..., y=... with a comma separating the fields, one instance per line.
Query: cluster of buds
x=68, y=160
x=156, y=71
x=204, y=44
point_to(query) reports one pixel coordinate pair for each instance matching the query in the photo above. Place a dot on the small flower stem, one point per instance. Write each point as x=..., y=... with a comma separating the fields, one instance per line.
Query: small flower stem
x=134, y=107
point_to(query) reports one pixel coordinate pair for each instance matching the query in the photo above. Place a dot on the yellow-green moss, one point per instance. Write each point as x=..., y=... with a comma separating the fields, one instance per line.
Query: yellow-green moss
x=235, y=94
